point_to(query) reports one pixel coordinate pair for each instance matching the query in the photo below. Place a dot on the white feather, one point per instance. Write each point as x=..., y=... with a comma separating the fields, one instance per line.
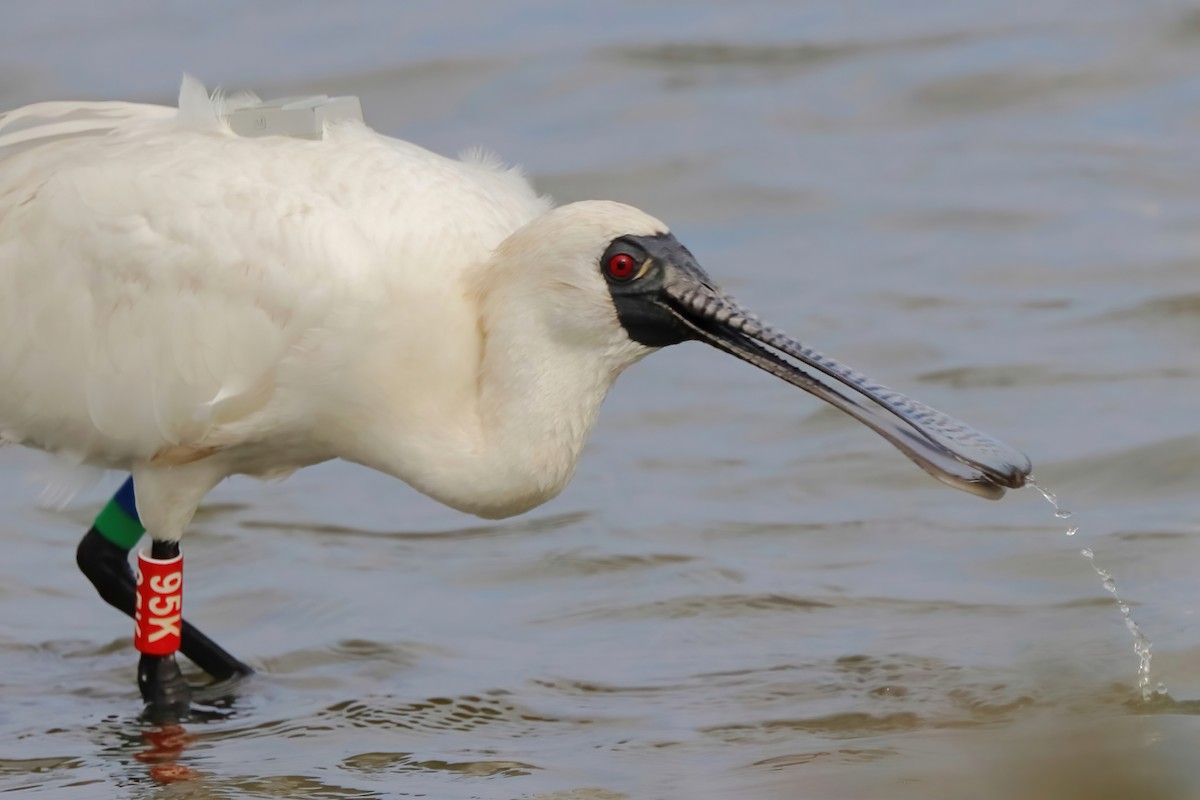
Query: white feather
x=187, y=304
x=60, y=480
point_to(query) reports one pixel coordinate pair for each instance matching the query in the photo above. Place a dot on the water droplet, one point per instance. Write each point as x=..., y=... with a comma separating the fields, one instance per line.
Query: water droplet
x=1051, y=498
x=1141, y=644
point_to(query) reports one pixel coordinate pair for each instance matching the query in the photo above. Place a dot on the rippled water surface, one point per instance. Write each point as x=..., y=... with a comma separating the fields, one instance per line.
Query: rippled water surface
x=995, y=206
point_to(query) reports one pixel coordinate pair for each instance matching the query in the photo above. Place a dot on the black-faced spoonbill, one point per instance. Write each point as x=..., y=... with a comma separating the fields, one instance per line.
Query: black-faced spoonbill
x=186, y=303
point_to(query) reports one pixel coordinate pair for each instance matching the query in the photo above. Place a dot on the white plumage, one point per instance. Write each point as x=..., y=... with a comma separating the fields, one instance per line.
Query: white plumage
x=186, y=304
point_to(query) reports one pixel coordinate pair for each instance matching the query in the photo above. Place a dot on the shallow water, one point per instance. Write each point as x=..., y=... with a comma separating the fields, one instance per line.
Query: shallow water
x=743, y=594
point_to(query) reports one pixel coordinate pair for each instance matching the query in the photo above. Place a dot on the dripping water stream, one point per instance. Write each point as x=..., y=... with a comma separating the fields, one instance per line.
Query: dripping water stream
x=1141, y=643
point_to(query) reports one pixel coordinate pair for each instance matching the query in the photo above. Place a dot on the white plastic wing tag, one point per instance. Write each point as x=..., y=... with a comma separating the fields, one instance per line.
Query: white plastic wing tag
x=303, y=117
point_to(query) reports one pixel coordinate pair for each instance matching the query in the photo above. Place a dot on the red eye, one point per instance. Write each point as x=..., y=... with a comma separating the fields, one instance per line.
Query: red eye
x=622, y=267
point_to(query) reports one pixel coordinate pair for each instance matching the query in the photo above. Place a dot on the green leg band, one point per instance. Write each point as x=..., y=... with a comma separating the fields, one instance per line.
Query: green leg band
x=116, y=524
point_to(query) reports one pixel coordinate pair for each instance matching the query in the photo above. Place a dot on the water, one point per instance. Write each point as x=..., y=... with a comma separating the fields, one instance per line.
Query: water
x=1141, y=643
x=991, y=206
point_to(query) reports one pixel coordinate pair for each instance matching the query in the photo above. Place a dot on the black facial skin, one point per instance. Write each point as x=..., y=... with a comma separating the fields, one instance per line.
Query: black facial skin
x=639, y=303
x=667, y=298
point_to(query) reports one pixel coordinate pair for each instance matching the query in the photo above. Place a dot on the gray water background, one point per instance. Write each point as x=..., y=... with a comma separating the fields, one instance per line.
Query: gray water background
x=993, y=206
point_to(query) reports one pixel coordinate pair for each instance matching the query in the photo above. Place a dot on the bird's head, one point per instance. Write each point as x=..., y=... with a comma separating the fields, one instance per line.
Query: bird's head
x=613, y=278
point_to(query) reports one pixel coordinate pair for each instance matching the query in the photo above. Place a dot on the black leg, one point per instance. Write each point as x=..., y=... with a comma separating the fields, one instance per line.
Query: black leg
x=166, y=693
x=107, y=566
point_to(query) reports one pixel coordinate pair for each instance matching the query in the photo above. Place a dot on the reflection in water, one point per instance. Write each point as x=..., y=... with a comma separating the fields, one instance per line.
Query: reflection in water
x=165, y=746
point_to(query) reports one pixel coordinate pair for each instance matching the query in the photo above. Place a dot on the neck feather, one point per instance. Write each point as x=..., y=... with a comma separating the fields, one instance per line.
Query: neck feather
x=508, y=436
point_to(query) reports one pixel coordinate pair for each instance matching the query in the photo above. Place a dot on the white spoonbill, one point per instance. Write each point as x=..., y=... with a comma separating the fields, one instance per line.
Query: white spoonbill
x=184, y=303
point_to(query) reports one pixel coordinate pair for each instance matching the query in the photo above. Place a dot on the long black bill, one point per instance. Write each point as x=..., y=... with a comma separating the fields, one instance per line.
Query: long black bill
x=949, y=450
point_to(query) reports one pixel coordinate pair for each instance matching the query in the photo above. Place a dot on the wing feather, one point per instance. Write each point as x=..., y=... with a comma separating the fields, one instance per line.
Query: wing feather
x=169, y=288
x=145, y=292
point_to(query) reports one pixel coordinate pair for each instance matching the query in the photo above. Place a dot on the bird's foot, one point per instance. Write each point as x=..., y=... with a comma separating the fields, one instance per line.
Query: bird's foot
x=168, y=696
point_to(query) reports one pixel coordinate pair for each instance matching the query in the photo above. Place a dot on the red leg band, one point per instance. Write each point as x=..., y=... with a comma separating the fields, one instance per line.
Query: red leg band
x=158, y=617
